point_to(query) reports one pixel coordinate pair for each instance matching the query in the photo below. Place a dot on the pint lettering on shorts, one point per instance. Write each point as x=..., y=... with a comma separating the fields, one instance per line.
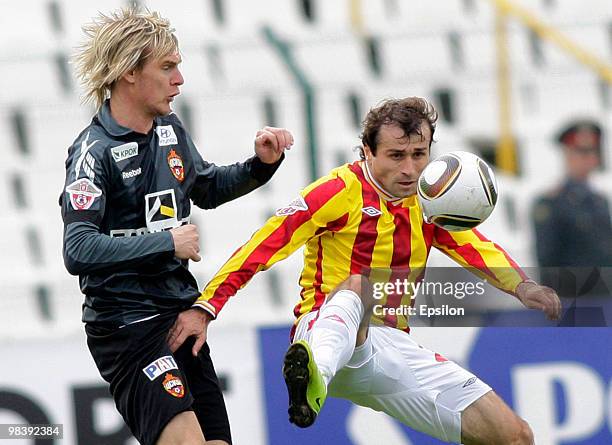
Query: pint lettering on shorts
x=159, y=366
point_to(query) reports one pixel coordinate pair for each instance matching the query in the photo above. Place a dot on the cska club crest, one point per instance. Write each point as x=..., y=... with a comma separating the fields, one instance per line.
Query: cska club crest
x=176, y=165
x=174, y=386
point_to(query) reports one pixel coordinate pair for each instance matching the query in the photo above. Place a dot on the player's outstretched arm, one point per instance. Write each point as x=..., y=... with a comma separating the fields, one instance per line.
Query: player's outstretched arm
x=290, y=228
x=535, y=296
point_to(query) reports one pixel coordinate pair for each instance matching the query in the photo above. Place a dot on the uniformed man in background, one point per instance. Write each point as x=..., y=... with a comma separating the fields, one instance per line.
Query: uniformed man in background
x=572, y=222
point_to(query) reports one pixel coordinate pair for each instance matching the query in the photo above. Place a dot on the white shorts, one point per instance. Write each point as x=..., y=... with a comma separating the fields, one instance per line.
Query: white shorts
x=391, y=373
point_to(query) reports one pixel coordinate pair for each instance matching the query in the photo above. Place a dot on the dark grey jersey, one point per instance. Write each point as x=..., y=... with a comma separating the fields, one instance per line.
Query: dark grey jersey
x=123, y=192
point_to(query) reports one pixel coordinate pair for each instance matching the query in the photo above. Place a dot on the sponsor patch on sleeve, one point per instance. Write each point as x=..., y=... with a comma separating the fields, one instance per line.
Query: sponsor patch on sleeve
x=83, y=192
x=297, y=205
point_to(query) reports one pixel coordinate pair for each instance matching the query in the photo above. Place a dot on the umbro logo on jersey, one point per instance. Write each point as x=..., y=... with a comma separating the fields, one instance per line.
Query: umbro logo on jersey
x=125, y=151
x=371, y=211
x=166, y=135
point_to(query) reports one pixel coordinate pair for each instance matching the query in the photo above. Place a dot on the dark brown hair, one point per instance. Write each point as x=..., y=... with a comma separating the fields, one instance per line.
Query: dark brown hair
x=408, y=113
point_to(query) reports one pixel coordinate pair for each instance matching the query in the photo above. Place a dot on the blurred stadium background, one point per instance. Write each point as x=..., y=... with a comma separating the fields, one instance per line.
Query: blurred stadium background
x=315, y=67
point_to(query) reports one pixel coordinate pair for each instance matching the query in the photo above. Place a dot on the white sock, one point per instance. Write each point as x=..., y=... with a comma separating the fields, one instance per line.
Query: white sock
x=334, y=333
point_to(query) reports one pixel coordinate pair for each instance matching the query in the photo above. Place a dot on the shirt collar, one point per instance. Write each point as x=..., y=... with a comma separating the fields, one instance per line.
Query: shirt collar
x=109, y=123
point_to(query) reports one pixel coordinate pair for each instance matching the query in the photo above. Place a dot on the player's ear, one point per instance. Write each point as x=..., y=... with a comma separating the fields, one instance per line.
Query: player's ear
x=367, y=151
x=130, y=76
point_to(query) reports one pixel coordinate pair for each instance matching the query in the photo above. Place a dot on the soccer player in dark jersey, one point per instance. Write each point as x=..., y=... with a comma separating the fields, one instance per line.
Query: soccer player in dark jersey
x=362, y=218
x=130, y=178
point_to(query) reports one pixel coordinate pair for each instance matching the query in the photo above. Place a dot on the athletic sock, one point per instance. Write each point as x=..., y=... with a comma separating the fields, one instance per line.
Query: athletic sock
x=334, y=333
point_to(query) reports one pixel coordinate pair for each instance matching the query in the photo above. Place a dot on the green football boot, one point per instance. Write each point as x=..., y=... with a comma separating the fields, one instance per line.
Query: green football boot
x=305, y=385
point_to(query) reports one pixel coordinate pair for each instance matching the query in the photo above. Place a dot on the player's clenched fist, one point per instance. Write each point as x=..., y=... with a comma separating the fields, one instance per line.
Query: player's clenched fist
x=186, y=242
x=271, y=143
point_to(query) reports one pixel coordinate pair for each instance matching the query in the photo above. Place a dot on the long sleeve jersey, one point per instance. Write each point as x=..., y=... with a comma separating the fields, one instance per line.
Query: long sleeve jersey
x=123, y=192
x=349, y=225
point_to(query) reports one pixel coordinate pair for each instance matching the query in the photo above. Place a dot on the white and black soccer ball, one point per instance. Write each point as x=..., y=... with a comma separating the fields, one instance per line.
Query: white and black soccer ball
x=457, y=191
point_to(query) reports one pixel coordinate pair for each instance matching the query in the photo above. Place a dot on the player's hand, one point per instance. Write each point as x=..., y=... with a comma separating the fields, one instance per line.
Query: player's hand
x=186, y=242
x=271, y=143
x=535, y=296
x=192, y=322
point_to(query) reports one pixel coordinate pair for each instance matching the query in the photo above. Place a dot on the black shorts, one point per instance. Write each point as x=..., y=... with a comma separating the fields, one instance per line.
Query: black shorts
x=150, y=385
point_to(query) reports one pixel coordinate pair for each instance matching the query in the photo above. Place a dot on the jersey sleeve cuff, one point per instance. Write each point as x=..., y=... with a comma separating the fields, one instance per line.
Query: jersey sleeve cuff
x=207, y=307
x=261, y=171
x=526, y=280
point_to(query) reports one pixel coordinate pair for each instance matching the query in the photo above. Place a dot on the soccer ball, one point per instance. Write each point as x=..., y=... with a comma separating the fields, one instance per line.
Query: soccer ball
x=457, y=191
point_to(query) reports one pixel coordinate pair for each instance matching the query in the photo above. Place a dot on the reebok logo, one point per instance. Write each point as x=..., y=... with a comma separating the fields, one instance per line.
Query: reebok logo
x=131, y=173
x=125, y=151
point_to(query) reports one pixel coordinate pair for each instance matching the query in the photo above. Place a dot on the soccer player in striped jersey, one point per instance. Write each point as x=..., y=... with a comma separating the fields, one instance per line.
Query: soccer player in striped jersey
x=358, y=222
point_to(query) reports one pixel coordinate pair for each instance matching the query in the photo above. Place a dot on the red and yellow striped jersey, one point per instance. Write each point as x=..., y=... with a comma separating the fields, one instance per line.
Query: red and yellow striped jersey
x=349, y=225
